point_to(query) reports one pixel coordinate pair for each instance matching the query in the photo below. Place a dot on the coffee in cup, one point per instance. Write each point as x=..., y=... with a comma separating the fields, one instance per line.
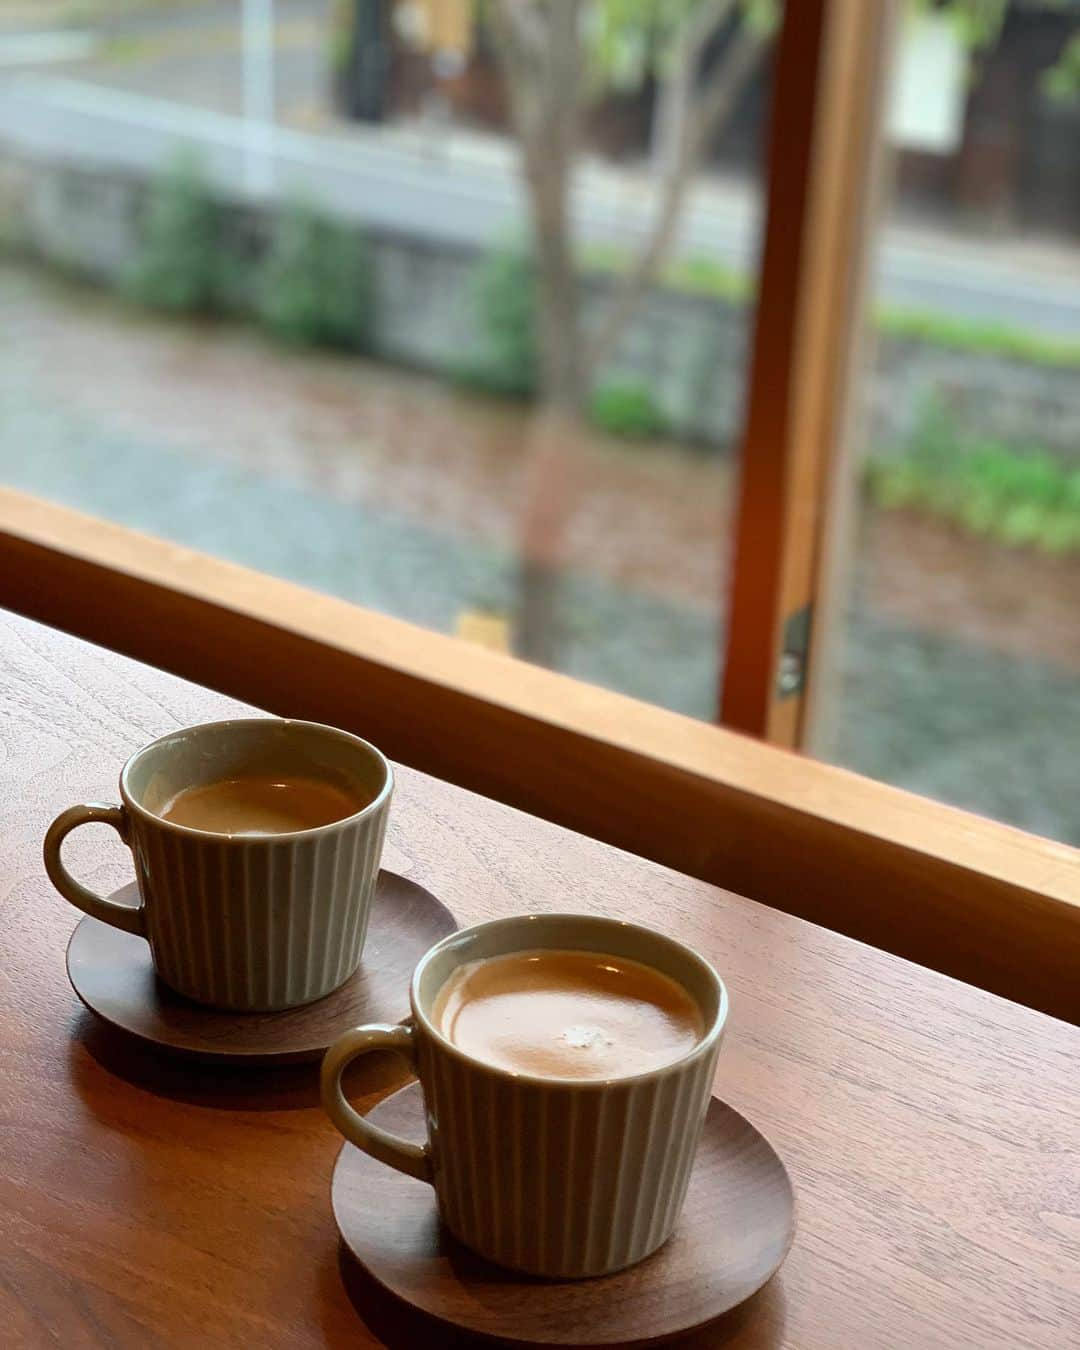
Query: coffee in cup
x=567, y=1014
x=567, y=1064
x=256, y=845
x=267, y=804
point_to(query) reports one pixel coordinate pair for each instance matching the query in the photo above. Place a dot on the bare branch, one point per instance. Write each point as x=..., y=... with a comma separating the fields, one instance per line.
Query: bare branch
x=697, y=120
x=565, y=73
x=699, y=27
x=544, y=89
x=723, y=87
x=539, y=51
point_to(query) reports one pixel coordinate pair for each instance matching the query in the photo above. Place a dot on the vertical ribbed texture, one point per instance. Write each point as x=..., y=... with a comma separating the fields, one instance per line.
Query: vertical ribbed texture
x=259, y=924
x=556, y=1181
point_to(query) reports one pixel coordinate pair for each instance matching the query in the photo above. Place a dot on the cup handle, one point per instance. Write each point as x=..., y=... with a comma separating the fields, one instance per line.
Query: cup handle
x=412, y=1159
x=120, y=916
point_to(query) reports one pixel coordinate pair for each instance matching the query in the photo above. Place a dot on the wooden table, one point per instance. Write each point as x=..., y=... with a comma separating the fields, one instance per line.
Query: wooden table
x=933, y=1131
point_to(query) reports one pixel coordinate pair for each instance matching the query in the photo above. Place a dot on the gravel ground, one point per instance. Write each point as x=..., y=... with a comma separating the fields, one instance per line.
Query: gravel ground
x=945, y=717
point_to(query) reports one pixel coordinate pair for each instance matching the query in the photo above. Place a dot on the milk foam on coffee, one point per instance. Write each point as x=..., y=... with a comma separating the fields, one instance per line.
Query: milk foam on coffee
x=567, y=1014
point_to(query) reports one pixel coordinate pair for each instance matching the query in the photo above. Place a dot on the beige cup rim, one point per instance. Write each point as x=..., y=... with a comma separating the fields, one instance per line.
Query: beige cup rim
x=190, y=831
x=596, y=921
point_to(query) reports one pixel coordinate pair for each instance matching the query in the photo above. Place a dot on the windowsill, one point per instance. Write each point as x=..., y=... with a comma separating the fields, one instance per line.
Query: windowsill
x=976, y=899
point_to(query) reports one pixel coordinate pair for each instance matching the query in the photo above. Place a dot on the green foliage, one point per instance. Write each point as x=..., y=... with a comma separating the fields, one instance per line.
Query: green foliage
x=692, y=273
x=1061, y=83
x=342, y=17
x=977, y=22
x=698, y=275
x=706, y=276
x=314, y=287
x=603, y=258
x=626, y=408
x=124, y=49
x=178, y=266
x=1022, y=498
x=504, y=301
x=630, y=40
x=977, y=335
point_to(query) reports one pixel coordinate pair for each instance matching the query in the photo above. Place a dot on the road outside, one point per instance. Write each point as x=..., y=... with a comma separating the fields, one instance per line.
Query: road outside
x=171, y=76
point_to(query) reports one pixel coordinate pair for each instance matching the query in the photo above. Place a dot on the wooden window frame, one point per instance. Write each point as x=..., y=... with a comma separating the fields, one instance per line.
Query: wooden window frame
x=824, y=161
x=981, y=901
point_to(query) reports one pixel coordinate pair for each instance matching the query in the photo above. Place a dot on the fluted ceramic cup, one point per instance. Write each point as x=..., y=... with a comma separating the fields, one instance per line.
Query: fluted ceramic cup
x=243, y=922
x=559, y=1177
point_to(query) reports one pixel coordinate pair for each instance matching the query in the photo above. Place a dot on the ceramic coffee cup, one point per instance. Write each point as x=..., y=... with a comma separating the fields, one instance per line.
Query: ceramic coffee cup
x=557, y=1177
x=242, y=921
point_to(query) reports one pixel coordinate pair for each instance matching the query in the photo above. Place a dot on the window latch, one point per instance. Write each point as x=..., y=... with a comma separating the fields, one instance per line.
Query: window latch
x=791, y=675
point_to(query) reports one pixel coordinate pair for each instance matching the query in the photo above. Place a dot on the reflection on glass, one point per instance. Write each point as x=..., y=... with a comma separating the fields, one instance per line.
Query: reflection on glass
x=365, y=313
x=960, y=668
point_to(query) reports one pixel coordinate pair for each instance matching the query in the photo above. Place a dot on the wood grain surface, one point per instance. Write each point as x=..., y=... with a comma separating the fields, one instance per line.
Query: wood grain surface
x=113, y=974
x=932, y=1131
x=736, y=1227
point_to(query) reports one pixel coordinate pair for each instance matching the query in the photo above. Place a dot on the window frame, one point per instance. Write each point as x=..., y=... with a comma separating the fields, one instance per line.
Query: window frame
x=981, y=901
x=810, y=343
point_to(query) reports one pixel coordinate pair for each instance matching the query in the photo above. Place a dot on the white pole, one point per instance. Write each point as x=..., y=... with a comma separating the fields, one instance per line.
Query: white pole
x=258, y=40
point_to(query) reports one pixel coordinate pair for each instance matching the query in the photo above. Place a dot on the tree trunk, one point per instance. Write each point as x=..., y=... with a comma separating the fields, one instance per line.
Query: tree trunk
x=540, y=52
x=552, y=471
x=539, y=48
x=558, y=299
x=689, y=118
x=549, y=488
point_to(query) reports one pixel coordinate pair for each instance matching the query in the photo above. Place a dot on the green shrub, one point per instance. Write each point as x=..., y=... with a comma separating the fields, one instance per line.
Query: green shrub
x=504, y=301
x=625, y=408
x=976, y=335
x=696, y=274
x=178, y=266
x=1023, y=498
x=693, y=273
x=707, y=276
x=314, y=287
x=342, y=15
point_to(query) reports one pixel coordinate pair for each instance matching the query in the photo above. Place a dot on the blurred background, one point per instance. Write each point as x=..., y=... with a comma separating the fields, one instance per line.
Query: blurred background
x=313, y=286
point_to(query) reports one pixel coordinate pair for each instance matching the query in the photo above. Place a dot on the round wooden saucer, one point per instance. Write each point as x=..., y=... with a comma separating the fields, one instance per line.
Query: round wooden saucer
x=112, y=973
x=735, y=1230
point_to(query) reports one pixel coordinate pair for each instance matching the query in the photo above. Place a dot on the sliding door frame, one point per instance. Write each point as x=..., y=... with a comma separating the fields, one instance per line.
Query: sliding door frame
x=824, y=159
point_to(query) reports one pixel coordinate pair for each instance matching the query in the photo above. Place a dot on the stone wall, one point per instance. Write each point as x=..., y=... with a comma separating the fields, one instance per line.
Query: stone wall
x=1001, y=398
x=690, y=351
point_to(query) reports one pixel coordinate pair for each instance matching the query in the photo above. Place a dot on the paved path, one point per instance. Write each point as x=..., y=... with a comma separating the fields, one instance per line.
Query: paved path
x=466, y=191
